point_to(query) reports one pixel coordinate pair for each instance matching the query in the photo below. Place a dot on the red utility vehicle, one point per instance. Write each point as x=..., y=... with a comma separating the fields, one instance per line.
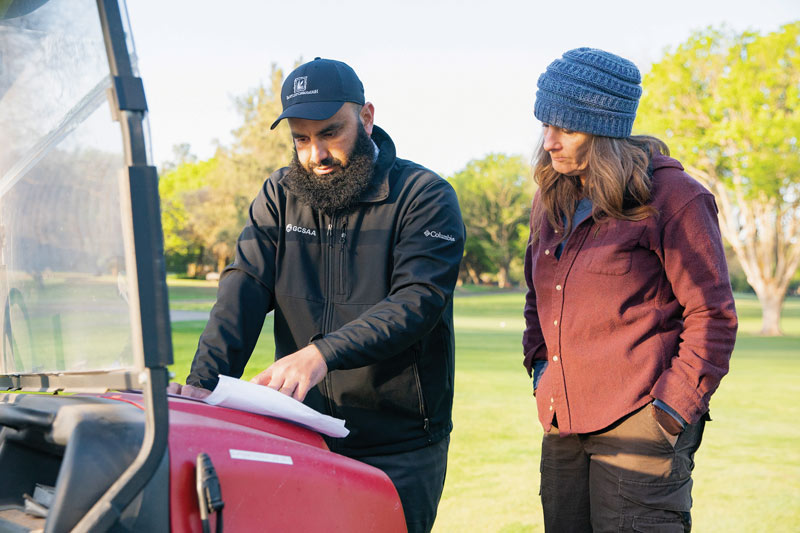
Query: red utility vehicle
x=83, y=311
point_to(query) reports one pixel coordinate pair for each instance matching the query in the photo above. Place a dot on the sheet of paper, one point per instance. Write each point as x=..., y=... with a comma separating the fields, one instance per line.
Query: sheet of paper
x=245, y=396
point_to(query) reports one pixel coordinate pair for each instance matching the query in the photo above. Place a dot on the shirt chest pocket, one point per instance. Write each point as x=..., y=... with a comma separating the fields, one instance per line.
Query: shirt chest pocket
x=609, y=247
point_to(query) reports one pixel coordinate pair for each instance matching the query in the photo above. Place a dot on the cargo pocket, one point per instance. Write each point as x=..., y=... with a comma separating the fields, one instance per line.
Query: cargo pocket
x=556, y=481
x=646, y=525
x=541, y=479
x=657, y=506
x=548, y=488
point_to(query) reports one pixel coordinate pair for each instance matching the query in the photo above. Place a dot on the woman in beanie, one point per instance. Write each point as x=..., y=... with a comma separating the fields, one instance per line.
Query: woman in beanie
x=630, y=320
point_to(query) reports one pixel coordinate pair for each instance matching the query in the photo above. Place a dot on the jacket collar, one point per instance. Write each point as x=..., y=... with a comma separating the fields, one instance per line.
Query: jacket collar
x=659, y=161
x=379, y=188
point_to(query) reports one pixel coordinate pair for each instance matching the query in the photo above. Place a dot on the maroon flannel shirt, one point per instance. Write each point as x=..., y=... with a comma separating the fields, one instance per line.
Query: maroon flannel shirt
x=632, y=311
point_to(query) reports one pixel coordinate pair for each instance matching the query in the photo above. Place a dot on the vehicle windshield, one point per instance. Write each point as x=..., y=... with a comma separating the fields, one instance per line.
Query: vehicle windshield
x=63, y=285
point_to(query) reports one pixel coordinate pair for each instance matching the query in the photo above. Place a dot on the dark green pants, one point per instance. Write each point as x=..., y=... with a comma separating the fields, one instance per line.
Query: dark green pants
x=627, y=477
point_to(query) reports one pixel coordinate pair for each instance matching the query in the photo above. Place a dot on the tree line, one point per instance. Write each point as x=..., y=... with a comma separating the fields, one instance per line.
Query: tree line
x=726, y=103
x=204, y=204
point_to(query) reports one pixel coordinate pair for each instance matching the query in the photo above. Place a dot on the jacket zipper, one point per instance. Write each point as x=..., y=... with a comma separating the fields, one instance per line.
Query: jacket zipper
x=328, y=313
x=422, y=411
x=328, y=262
x=342, y=262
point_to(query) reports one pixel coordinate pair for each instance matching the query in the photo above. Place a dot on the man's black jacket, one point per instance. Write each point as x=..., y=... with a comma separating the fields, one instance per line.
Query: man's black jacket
x=373, y=290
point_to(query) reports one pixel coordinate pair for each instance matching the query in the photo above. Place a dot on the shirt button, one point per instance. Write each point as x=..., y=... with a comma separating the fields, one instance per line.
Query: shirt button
x=558, y=287
x=555, y=322
x=555, y=358
x=551, y=407
x=547, y=252
x=552, y=400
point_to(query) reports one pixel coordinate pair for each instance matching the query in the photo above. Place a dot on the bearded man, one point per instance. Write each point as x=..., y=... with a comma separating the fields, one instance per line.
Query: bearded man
x=357, y=252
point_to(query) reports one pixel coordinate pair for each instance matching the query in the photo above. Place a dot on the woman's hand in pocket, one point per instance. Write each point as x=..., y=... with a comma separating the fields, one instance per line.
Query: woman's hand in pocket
x=670, y=427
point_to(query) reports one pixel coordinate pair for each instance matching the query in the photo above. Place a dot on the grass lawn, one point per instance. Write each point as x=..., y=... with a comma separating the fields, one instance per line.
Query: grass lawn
x=747, y=476
x=191, y=295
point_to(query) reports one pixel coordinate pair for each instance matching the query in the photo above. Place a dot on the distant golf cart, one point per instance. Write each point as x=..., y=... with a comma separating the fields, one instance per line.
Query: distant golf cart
x=84, y=314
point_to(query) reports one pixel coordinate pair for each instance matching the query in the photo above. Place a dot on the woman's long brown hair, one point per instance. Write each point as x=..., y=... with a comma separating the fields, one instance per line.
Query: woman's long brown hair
x=617, y=182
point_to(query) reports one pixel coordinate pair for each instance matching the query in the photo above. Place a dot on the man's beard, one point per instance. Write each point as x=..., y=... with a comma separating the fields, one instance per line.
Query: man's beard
x=341, y=189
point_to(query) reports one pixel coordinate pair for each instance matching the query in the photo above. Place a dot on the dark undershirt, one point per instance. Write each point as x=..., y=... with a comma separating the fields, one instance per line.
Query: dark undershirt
x=582, y=211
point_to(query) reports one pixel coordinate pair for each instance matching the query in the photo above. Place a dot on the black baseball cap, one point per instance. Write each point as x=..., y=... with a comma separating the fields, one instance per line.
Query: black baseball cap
x=317, y=90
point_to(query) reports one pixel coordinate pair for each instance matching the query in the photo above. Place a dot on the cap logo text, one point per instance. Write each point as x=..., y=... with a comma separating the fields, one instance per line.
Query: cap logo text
x=300, y=87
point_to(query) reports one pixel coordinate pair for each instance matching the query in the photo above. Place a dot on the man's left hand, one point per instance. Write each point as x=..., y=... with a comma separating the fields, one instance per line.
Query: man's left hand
x=295, y=374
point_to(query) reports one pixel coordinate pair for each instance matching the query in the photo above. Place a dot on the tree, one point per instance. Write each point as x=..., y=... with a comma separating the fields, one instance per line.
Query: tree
x=181, y=153
x=729, y=107
x=495, y=195
x=242, y=169
x=182, y=190
x=205, y=204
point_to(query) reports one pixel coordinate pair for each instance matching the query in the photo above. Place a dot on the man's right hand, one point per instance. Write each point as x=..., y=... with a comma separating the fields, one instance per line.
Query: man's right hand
x=187, y=390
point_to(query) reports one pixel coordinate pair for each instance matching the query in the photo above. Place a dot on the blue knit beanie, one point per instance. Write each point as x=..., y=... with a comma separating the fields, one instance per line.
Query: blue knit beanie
x=589, y=90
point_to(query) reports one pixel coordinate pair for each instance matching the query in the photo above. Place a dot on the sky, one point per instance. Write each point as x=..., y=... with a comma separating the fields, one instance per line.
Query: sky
x=451, y=81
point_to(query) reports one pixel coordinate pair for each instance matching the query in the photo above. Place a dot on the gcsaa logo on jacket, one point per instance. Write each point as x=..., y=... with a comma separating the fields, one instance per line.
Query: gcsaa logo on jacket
x=299, y=229
x=437, y=235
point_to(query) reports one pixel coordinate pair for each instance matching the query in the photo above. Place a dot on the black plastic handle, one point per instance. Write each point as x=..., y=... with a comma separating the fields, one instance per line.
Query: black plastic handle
x=209, y=492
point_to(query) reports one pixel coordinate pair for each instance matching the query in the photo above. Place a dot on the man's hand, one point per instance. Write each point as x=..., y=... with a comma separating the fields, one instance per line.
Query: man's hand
x=187, y=390
x=295, y=374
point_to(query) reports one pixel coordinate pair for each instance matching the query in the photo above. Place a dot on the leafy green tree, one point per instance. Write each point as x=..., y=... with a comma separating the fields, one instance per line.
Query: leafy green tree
x=242, y=169
x=257, y=150
x=495, y=196
x=182, y=189
x=205, y=204
x=476, y=261
x=728, y=105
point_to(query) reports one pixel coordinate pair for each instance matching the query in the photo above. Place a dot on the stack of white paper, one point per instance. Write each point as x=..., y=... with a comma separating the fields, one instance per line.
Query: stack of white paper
x=245, y=396
x=39, y=504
